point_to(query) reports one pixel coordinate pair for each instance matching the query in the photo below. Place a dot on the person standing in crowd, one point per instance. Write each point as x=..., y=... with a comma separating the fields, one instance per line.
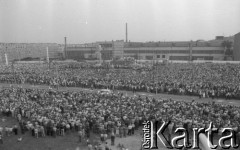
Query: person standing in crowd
x=1, y=139
x=106, y=146
x=1, y=130
x=62, y=132
x=87, y=141
x=125, y=129
x=80, y=136
x=105, y=137
x=7, y=131
x=87, y=132
x=112, y=139
x=54, y=131
x=15, y=129
x=35, y=131
x=21, y=124
x=90, y=147
x=117, y=131
x=129, y=129
x=121, y=131
x=42, y=131
x=133, y=128
x=102, y=137
x=67, y=128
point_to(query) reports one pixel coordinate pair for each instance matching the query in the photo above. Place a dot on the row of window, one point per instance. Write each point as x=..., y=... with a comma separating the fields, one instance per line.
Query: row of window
x=208, y=52
x=158, y=56
x=147, y=57
x=107, y=55
x=193, y=57
x=81, y=50
x=202, y=57
x=175, y=51
x=78, y=55
x=156, y=51
x=176, y=57
x=106, y=45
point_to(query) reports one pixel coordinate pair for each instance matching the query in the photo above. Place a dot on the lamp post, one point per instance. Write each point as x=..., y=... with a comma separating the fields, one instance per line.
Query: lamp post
x=6, y=57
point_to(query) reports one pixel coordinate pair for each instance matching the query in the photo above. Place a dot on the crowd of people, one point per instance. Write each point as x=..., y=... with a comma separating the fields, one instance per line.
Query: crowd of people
x=56, y=113
x=203, y=79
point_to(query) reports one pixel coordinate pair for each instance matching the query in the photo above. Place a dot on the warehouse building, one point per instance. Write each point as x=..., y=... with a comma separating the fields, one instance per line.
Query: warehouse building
x=179, y=50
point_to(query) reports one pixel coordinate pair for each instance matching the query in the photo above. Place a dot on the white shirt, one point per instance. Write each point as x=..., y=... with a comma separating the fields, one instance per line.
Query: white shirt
x=67, y=126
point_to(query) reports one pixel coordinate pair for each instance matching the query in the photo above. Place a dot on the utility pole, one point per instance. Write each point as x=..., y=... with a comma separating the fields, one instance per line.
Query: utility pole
x=157, y=78
x=47, y=55
x=65, y=47
x=48, y=62
x=6, y=57
x=156, y=64
x=126, y=33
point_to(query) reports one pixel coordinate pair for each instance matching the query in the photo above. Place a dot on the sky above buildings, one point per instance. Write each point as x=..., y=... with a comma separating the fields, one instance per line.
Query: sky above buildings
x=84, y=21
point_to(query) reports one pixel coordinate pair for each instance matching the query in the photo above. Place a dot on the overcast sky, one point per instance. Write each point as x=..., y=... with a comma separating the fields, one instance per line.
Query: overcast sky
x=83, y=21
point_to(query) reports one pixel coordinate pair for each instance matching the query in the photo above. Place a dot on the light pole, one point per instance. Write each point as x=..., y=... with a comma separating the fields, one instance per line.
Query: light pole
x=6, y=57
x=157, y=78
x=156, y=71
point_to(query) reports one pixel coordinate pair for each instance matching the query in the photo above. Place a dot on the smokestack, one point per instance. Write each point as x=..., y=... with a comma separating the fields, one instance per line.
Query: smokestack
x=65, y=47
x=126, y=33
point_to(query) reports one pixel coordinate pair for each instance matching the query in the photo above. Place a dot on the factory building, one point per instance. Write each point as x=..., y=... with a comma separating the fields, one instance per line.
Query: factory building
x=221, y=48
x=179, y=50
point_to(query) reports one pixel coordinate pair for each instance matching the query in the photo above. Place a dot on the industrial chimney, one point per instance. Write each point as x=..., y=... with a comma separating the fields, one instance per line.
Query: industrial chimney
x=126, y=33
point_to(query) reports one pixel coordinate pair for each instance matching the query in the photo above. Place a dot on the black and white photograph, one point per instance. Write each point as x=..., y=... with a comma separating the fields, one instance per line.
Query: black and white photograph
x=119, y=74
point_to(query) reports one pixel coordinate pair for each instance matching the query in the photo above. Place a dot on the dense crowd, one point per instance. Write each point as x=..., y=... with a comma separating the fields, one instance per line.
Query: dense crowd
x=56, y=113
x=53, y=113
x=203, y=79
